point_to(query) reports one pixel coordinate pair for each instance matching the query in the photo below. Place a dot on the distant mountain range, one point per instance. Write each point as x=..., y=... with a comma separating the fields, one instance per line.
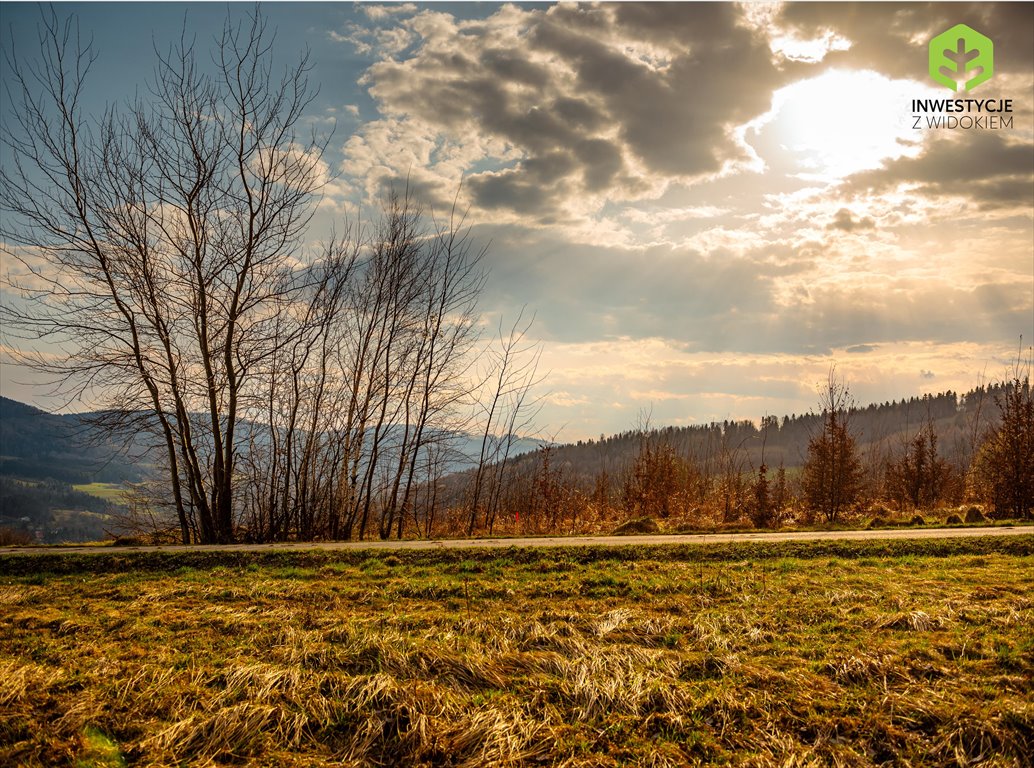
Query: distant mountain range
x=38, y=445
x=881, y=430
x=43, y=454
x=35, y=444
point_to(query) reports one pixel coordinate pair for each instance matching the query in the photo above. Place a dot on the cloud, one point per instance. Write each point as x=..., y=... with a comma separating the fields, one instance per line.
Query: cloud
x=570, y=107
x=604, y=149
x=894, y=38
x=986, y=167
x=382, y=12
x=845, y=221
x=763, y=299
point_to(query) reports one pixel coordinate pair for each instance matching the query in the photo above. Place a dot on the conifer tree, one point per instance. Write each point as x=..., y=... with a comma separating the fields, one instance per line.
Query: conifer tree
x=832, y=477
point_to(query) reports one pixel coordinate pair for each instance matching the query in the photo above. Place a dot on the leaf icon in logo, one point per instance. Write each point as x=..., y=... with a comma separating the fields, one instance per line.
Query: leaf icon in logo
x=961, y=58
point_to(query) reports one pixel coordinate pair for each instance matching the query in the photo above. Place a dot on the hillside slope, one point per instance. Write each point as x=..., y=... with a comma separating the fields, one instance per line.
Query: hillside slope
x=882, y=431
x=35, y=444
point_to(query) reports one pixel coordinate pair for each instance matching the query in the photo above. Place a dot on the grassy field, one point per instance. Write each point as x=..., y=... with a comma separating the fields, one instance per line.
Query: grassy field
x=631, y=656
x=108, y=491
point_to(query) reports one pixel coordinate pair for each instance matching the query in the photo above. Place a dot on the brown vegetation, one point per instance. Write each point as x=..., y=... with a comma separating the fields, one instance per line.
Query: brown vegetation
x=546, y=660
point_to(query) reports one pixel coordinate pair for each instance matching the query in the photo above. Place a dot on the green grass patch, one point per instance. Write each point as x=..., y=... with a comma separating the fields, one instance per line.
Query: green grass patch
x=99, y=751
x=546, y=559
x=108, y=491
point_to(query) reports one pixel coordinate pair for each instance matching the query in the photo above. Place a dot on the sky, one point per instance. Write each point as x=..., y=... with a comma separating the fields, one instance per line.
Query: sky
x=704, y=206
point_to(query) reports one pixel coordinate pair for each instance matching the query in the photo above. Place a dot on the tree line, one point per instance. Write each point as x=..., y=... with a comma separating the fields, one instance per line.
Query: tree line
x=925, y=454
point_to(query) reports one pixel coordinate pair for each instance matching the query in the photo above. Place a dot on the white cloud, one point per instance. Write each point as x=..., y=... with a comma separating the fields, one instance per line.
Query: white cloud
x=382, y=12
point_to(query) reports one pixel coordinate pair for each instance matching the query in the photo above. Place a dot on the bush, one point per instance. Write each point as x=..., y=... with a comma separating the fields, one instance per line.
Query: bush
x=10, y=537
x=637, y=525
x=953, y=520
x=658, y=481
x=974, y=515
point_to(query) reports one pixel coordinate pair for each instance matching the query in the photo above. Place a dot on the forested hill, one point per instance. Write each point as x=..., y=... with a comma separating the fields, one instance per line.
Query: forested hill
x=881, y=431
x=38, y=445
x=35, y=444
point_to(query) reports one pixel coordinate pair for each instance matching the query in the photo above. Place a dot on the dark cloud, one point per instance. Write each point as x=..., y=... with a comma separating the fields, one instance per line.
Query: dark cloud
x=893, y=37
x=845, y=221
x=610, y=97
x=861, y=349
x=715, y=73
x=988, y=167
x=517, y=190
x=579, y=113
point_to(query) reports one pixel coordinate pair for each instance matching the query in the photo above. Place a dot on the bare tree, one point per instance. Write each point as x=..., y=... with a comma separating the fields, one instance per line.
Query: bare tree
x=166, y=231
x=730, y=484
x=506, y=410
x=292, y=394
x=366, y=401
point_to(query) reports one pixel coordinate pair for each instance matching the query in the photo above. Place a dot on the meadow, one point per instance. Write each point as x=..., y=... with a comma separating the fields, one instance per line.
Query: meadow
x=847, y=654
x=113, y=492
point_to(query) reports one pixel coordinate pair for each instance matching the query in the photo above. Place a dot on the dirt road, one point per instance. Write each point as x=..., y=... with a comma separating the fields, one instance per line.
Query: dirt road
x=572, y=541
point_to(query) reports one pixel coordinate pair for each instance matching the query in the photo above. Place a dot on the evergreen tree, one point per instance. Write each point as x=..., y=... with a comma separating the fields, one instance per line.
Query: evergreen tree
x=918, y=478
x=1003, y=472
x=832, y=478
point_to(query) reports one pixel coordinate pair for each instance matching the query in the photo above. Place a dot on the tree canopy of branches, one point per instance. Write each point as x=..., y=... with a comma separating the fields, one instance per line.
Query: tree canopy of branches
x=832, y=476
x=292, y=394
x=162, y=233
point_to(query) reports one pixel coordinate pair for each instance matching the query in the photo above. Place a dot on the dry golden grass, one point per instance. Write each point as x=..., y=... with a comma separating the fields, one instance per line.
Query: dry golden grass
x=910, y=661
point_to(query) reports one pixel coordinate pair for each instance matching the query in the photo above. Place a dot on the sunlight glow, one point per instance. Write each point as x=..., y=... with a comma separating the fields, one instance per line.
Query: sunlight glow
x=796, y=49
x=839, y=123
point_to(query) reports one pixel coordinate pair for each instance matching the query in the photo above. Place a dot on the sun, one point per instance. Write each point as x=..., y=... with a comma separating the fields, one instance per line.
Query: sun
x=839, y=123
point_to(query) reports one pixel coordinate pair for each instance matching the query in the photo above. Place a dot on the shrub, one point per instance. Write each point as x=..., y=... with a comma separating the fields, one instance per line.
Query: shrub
x=12, y=536
x=974, y=515
x=637, y=525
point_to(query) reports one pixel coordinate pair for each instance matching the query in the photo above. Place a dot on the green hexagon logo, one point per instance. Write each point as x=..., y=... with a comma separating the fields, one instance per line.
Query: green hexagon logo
x=961, y=58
